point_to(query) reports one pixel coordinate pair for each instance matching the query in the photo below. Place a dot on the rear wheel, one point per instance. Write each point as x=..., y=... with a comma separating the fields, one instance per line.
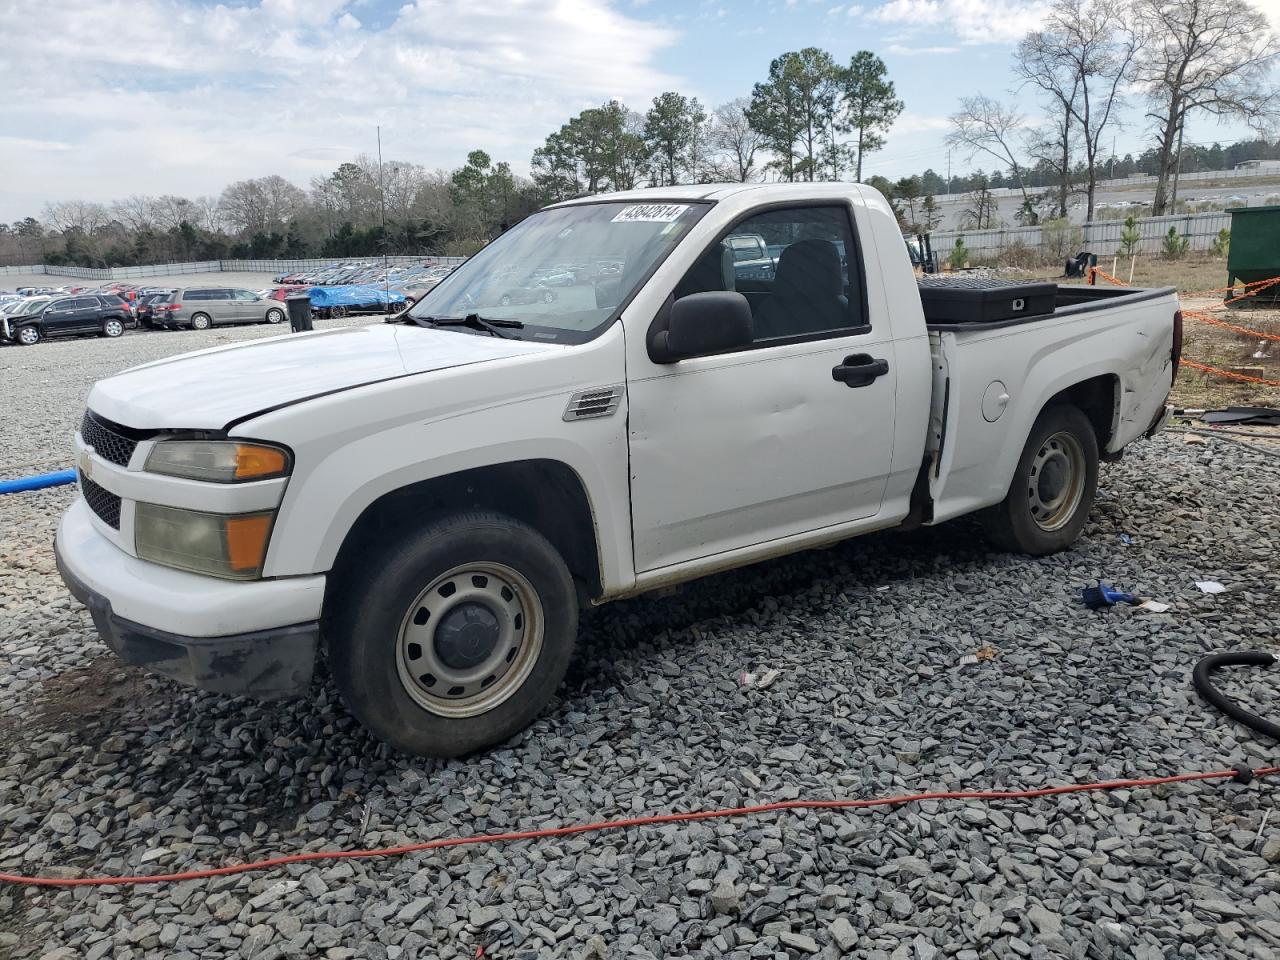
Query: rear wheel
x=28, y=336
x=455, y=638
x=200, y=321
x=112, y=328
x=1053, y=486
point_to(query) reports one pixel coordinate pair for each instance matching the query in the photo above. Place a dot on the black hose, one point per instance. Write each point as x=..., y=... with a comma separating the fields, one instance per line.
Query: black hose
x=1206, y=689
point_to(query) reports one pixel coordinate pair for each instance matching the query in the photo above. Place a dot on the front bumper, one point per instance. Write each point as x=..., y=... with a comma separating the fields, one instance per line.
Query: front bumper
x=264, y=661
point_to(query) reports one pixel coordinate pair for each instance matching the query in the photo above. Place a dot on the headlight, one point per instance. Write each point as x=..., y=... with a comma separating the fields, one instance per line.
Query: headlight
x=220, y=545
x=218, y=461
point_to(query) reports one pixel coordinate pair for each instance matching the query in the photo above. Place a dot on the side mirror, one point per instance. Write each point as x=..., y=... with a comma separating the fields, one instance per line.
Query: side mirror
x=704, y=323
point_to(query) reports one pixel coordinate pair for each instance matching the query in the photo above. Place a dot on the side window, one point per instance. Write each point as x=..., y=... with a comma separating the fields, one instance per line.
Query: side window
x=84, y=303
x=59, y=305
x=197, y=295
x=243, y=295
x=800, y=280
x=223, y=295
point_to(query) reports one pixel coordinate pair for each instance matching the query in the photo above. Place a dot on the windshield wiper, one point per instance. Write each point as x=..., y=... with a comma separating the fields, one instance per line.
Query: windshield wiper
x=492, y=326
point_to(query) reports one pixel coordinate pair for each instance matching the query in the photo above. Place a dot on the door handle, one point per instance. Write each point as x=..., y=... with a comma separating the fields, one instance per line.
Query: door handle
x=859, y=370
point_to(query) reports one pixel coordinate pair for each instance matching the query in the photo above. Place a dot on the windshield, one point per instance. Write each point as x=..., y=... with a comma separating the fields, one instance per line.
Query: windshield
x=23, y=307
x=564, y=272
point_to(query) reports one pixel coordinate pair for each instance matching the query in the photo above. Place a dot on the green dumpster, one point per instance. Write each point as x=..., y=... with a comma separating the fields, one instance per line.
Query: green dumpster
x=1255, y=251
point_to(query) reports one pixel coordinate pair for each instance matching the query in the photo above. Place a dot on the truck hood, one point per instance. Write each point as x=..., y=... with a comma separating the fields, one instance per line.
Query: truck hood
x=209, y=389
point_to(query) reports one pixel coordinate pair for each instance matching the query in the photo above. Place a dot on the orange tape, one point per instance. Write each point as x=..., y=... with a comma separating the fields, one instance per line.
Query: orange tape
x=1247, y=331
x=1218, y=371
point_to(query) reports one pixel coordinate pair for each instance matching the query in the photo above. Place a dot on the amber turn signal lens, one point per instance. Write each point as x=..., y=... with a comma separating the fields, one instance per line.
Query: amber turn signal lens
x=247, y=541
x=254, y=462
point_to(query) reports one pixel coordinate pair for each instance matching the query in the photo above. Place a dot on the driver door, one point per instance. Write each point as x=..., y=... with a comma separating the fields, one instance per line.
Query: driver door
x=743, y=447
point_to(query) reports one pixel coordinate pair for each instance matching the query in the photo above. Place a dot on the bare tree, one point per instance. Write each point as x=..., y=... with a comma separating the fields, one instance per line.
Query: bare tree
x=735, y=141
x=172, y=212
x=1080, y=58
x=81, y=215
x=137, y=212
x=983, y=125
x=981, y=212
x=262, y=205
x=1202, y=56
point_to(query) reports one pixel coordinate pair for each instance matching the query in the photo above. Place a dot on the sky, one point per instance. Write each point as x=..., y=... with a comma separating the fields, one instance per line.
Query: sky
x=107, y=98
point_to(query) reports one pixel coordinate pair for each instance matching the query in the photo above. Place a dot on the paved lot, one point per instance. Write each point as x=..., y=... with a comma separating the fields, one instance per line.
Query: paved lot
x=106, y=770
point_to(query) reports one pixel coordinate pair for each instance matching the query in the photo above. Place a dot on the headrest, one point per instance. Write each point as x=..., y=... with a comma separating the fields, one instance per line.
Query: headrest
x=809, y=268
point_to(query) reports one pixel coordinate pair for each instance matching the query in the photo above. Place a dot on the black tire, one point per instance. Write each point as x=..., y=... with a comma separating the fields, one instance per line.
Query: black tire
x=274, y=315
x=366, y=633
x=111, y=327
x=201, y=321
x=1024, y=522
x=28, y=336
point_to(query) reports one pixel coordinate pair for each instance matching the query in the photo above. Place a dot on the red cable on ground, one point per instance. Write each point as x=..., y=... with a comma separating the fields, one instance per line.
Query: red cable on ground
x=629, y=822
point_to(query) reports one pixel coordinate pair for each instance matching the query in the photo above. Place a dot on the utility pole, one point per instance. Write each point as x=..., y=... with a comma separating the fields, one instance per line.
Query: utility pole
x=948, y=169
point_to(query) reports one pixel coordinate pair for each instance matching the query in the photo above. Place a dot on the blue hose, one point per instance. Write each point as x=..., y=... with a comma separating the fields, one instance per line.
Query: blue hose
x=38, y=482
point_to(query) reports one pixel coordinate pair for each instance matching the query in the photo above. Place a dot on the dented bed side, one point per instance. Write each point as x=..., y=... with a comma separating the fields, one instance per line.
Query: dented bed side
x=990, y=384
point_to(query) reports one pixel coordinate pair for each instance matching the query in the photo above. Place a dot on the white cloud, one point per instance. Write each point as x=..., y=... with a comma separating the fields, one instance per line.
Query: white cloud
x=904, y=51
x=295, y=86
x=909, y=122
x=972, y=21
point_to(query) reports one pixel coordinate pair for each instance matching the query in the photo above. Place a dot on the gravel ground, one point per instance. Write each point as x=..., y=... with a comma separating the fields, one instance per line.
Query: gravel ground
x=104, y=769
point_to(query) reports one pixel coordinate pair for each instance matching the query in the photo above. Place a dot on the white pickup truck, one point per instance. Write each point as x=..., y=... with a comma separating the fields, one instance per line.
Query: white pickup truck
x=434, y=499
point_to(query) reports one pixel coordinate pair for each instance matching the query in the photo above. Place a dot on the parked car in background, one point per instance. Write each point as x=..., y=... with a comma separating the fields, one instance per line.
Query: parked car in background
x=203, y=307
x=145, y=308
x=103, y=315
x=751, y=257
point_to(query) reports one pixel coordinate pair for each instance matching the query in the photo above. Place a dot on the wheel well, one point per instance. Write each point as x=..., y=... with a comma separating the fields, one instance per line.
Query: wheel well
x=546, y=494
x=1097, y=398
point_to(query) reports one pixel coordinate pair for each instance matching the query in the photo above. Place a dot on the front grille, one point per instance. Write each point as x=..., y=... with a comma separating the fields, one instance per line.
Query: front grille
x=112, y=442
x=102, y=502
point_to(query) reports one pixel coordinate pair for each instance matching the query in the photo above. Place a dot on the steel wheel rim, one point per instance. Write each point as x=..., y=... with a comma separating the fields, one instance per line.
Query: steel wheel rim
x=470, y=639
x=114, y=328
x=1055, y=486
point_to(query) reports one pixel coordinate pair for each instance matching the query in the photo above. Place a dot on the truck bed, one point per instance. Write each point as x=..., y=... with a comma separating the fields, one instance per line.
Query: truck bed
x=1068, y=301
x=992, y=379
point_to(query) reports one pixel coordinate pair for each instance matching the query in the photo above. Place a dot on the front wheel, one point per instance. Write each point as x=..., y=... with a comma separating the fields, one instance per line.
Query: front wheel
x=274, y=315
x=28, y=336
x=455, y=638
x=1053, y=486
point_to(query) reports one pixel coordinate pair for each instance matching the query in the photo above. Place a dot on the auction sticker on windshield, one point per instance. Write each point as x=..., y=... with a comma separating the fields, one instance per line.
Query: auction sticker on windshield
x=650, y=213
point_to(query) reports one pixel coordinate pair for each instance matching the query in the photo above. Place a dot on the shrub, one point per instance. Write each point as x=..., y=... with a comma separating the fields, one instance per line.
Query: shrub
x=1222, y=243
x=959, y=255
x=1174, y=245
x=1016, y=253
x=1060, y=239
